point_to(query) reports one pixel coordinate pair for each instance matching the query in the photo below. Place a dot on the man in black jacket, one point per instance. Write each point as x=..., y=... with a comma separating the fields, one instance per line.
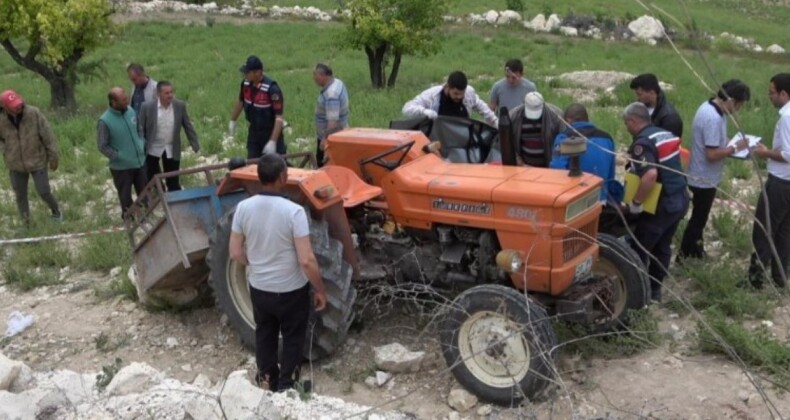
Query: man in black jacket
x=662, y=112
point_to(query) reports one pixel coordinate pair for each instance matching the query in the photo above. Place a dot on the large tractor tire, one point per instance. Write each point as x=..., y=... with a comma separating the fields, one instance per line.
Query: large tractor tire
x=327, y=330
x=624, y=279
x=499, y=344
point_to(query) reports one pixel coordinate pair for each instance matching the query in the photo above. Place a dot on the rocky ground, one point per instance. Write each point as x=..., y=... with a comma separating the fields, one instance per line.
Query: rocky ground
x=179, y=362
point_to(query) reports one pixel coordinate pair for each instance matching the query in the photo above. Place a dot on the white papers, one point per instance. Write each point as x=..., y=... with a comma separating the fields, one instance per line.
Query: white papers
x=743, y=154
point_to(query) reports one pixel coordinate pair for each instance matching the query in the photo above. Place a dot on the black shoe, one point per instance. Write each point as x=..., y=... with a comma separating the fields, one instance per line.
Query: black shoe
x=749, y=284
x=655, y=295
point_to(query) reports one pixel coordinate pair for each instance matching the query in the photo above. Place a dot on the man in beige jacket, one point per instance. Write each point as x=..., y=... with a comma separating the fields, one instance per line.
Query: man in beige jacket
x=28, y=147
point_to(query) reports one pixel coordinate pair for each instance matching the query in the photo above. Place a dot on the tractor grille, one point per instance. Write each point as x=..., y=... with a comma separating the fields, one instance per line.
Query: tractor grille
x=575, y=242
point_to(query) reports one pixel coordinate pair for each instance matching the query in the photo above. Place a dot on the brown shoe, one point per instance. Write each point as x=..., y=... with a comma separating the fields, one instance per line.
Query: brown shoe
x=263, y=383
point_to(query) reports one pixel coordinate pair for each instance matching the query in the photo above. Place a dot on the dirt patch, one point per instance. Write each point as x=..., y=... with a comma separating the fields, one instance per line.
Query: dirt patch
x=73, y=330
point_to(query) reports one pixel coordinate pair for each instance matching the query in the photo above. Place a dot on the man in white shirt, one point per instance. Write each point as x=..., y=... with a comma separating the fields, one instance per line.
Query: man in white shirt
x=454, y=99
x=159, y=124
x=270, y=235
x=773, y=217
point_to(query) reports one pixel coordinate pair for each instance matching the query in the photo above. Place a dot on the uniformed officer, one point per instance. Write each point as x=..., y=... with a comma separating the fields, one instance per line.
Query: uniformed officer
x=655, y=155
x=262, y=101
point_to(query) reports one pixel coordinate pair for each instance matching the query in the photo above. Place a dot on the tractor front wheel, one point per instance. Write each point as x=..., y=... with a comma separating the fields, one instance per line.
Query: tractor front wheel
x=499, y=344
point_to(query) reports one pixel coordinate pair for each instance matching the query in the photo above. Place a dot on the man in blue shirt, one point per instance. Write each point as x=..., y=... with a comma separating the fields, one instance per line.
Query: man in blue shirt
x=599, y=157
x=331, y=110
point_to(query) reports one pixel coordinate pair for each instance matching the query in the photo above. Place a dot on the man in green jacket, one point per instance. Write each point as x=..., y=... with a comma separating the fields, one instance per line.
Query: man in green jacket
x=118, y=139
x=28, y=147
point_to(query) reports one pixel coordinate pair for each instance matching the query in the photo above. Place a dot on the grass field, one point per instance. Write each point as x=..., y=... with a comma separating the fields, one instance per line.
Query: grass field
x=202, y=62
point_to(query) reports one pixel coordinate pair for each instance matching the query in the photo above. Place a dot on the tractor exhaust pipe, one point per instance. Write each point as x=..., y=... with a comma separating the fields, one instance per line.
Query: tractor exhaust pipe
x=506, y=145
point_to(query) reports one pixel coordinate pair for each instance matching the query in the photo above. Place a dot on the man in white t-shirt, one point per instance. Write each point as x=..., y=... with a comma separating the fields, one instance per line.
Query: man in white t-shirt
x=271, y=236
x=708, y=150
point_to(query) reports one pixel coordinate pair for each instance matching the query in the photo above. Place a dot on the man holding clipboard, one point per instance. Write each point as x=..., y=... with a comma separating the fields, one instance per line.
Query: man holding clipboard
x=655, y=160
x=709, y=149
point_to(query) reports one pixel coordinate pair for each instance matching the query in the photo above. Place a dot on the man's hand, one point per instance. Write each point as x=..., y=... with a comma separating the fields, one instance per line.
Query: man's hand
x=760, y=150
x=270, y=148
x=741, y=144
x=635, y=208
x=53, y=165
x=319, y=300
x=195, y=149
x=232, y=128
x=431, y=114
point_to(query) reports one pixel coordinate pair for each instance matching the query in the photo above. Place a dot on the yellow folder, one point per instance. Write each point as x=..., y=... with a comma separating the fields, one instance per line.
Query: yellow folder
x=632, y=185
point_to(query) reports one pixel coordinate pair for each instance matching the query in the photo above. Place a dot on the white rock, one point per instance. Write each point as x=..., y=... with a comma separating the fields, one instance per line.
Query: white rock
x=491, y=17
x=382, y=377
x=538, y=23
x=210, y=6
x=16, y=406
x=398, y=359
x=461, y=399
x=647, y=27
x=76, y=388
x=134, y=379
x=552, y=23
x=775, y=49
x=485, y=410
x=24, y=381
x=454, y=415
x=757, y=48
x=9, y=370
x=171, y=342
x=115, y=272
x=767, y=323
x=240, y=398
x=743, y=396
x=202, y=381
x=186, y=368
x=370, y=381
x=569, y=31
x=201, y=409
x=508, y=16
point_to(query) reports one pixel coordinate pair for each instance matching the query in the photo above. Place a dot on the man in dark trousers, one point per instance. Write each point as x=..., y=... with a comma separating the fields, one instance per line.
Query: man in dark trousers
x=280, y=268
x=662, y=112
x=709, y=150
x=262, y=101
x=160, y=123
x=773, y=219
x=28, y=147
x=118, y=139
x=655, y=157
x=143, y=87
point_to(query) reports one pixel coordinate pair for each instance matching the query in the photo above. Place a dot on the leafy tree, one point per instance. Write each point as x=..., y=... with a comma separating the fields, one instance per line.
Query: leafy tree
x=389, y=29
x=50, y=37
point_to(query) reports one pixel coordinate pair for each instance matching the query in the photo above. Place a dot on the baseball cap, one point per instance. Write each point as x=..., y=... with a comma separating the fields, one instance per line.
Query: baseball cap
x=10, y=99
x=533, y=105
x=253, y=63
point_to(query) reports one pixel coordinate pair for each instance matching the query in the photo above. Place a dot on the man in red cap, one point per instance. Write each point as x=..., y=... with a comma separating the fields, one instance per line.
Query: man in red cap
x=28, y=148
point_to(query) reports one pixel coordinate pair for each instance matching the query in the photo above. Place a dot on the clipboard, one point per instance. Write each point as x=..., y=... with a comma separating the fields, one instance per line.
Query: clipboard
x=632, y=182
x=743, y=154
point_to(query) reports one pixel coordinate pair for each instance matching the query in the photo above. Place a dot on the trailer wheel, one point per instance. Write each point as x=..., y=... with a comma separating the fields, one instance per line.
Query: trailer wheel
x=626, y=281
x=327, y=329
x=499, y=344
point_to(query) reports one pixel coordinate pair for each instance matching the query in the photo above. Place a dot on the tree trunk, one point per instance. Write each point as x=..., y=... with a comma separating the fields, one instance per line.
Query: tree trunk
x=394, y=71
x=371, y=65
x=376, y=65
x=61, y=85
x=62, y=94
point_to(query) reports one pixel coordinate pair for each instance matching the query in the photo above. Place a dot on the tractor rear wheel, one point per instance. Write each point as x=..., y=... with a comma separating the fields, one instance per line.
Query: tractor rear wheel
x=499, y=344
x=327, y=330
x=625, y=277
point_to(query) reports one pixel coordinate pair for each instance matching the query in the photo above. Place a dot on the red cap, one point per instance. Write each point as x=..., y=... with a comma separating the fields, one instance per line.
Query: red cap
x=11, y=99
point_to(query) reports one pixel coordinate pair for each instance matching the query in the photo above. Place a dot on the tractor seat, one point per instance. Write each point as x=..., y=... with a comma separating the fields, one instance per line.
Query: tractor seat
x=353, y=190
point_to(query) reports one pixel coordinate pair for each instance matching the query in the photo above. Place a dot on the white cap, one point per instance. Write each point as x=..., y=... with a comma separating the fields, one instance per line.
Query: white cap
x=533, y=105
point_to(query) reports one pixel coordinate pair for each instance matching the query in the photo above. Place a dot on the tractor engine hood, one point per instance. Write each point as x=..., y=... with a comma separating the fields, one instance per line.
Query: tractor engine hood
x=482, y=195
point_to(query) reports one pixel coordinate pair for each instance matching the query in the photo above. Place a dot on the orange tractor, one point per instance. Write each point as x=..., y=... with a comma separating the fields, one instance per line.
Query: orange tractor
x=514, y=245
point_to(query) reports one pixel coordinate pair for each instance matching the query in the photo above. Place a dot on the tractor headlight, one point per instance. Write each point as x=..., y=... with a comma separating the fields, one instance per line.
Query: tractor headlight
x=509, y=260
x=582, y=204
